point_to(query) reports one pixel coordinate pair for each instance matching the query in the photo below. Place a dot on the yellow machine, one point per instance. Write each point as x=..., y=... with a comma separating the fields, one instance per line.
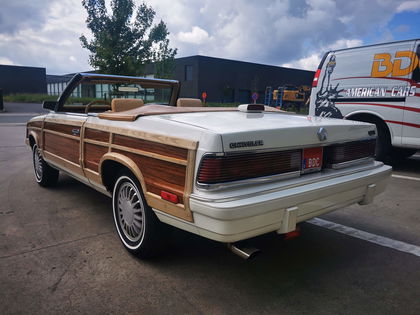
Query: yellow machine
x=293, y=94
x=288, y=96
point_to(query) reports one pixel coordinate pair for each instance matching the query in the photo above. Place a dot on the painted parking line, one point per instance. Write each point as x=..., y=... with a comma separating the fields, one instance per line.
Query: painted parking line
x=406, y=177
x=366, y=236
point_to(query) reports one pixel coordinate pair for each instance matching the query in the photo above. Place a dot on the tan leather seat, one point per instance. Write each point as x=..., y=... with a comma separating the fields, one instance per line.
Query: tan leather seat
x=189, y=102
x=123, y=104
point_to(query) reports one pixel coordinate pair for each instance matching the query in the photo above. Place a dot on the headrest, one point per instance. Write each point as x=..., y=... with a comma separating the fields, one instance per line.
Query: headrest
x=123, y=104
x=189, y=102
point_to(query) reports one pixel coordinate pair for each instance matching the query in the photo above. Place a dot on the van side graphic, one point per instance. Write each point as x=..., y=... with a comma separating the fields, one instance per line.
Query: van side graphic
x=383, y=65
x=378, y=84
x=325, y=98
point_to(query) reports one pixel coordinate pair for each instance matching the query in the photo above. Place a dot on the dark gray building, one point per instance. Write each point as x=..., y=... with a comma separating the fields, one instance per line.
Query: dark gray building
x=18, y=79
x=233, y=81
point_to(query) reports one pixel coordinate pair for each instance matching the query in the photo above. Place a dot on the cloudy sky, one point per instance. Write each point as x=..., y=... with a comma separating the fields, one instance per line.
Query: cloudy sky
x=293, y=33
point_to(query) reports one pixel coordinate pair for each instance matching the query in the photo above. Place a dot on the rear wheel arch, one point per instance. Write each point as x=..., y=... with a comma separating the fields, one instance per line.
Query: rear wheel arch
x=111, y=165
x=373, y=118
x=384, y=142
x=138, y=227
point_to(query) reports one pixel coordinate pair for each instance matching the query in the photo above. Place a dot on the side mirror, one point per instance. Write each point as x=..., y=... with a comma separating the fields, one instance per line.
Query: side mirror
x=49, y=105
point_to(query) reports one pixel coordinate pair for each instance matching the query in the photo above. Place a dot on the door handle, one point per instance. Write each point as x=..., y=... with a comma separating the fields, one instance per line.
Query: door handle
x=75, y=132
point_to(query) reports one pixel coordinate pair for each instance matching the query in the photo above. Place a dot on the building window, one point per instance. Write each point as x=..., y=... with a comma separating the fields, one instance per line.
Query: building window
x=188, y=73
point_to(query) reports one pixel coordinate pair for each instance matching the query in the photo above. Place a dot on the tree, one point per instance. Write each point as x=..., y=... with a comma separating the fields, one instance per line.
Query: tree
x=124, y=43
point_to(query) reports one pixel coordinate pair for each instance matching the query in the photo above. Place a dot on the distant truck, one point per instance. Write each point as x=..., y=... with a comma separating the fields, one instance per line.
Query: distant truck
x=379, y=84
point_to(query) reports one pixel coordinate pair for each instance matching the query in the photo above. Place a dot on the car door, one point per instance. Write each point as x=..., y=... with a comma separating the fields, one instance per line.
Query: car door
x=61, y=141
x=411, y=122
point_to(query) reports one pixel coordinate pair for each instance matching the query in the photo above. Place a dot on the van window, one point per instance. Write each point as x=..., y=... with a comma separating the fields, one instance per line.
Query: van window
x=416, y=72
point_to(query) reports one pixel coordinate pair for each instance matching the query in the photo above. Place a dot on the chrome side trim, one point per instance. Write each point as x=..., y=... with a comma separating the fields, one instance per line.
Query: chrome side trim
x=249, y=181
x=341, y=165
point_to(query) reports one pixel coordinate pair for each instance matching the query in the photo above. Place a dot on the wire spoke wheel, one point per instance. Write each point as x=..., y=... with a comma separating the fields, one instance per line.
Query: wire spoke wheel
x=130, y=211
x=38, y=168
x=45, y=175
x=138, y=228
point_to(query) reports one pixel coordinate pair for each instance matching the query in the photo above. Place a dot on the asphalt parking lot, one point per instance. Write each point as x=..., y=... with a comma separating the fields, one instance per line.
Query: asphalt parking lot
x=59, y=253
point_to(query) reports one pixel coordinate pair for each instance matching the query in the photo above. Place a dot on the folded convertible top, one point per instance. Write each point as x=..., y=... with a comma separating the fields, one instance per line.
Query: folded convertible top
x=147, y=110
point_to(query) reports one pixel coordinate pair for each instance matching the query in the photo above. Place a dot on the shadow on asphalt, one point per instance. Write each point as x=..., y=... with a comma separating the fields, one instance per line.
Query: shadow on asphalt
x=411, y=165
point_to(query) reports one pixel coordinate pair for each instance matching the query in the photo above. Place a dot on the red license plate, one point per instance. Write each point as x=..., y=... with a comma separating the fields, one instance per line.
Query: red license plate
x=312, y=160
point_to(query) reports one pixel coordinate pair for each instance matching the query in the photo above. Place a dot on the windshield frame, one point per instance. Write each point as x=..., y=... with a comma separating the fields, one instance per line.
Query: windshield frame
x=80, y=78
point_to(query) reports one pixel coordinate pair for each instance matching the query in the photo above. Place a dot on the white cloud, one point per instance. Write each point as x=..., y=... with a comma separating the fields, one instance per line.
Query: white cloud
x=306, y=63
x=196, y=36
x=6, y=61
x=271, y=31
x=312, y=61
x=413, y=6
x=52, y=42
x=277, y=32
x=345, y=43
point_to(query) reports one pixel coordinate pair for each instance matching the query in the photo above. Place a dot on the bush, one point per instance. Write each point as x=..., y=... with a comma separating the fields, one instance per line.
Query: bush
x=39, y=98
x=29, y=98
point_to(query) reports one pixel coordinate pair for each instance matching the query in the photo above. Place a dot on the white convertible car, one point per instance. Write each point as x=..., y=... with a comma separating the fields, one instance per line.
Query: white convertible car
x=227, y=174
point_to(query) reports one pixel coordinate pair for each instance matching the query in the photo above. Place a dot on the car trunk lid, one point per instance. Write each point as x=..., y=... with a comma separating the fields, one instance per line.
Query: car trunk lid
x=255, y=131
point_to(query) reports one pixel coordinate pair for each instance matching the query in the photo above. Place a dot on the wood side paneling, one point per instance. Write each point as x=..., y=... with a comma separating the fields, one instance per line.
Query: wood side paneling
x=150, y=146
x=66, y=165
x=37, y=124
x=176, y=210
x=66, y=129
x=189, y=181
x=164, y=139
x=160, y=175
x=93, y=154
x=64, y=147
x=97, y=135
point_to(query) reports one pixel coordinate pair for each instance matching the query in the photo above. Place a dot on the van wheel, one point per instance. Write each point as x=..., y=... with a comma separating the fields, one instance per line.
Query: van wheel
x=45, y=175
x=139, y=229
x=383, y=141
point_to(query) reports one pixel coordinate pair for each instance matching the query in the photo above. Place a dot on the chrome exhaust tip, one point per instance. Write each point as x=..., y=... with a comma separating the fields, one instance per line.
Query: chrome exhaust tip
x=243, y=252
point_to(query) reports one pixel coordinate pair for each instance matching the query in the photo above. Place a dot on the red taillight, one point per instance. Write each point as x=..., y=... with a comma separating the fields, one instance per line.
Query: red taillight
x=219, y=169
x=316, y=77
x=169, y=196
x=349, y=151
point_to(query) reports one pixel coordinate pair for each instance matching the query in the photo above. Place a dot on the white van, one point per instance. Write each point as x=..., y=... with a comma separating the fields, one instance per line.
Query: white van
x=379, y=84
